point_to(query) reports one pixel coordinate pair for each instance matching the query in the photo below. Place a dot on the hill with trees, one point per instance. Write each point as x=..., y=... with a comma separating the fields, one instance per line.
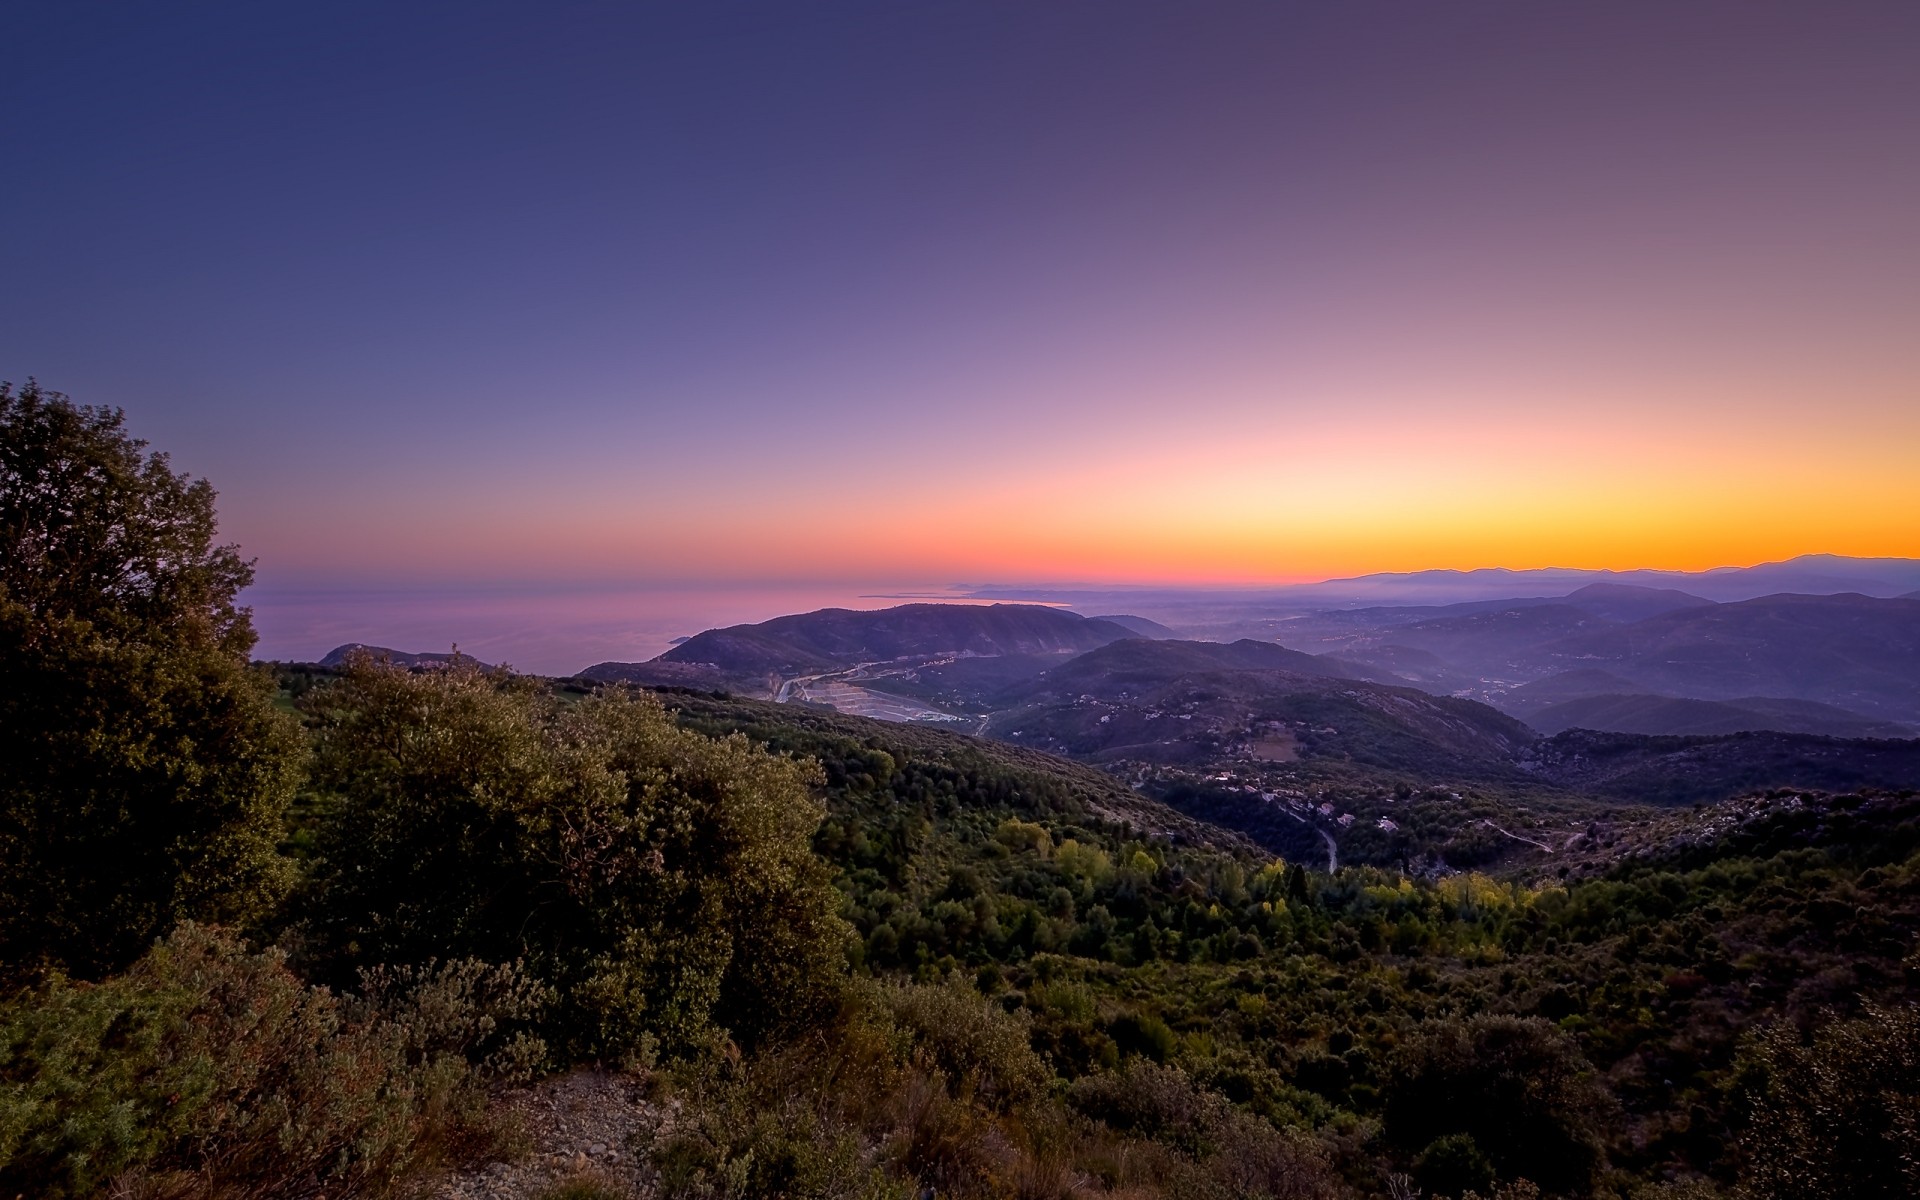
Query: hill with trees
x=837, y=637
x=1677, y=715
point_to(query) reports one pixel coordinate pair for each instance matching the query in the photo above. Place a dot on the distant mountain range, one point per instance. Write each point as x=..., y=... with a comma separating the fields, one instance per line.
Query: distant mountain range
x=1625, y=652
x=1813, y=574
x=1782, y=690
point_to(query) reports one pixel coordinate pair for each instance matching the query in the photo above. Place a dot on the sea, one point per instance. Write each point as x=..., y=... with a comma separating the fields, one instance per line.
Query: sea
x=541, y=630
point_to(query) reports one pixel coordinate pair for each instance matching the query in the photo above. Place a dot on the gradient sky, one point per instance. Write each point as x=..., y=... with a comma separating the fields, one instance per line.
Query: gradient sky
x=694, y=293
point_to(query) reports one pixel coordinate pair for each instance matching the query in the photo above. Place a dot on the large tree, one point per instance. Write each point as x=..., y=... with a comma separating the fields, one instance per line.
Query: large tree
x=146, y=771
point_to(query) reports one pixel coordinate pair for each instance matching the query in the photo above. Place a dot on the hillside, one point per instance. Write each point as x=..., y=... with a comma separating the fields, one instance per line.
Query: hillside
x=399, y=658
x=836, y=638
x=1617, y=713
x=1630, y=602
x=1849, y=650
x=1501, y=642
x=1685, y=770
x=1139, y=626
x=1192, y=702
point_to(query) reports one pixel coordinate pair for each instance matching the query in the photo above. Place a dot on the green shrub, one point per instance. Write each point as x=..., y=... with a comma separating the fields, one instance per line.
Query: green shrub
x=1834, y=1114
x=1516, y=1086
x=208, y=1071
x=1225, y=1151
x=801, y=1121
x=1453, y=1165
x=977, y=1046
x=662, y=883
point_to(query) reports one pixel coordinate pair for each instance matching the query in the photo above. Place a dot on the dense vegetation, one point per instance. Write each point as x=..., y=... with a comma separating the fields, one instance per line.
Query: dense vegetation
x=295, y=949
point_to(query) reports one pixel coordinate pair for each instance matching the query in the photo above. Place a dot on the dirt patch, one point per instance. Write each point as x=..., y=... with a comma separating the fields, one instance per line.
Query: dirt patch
x=579, y=1126
x=1275, y=747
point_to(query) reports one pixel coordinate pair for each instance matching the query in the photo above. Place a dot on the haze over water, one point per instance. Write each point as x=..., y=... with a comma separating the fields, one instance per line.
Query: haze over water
x=546, y=631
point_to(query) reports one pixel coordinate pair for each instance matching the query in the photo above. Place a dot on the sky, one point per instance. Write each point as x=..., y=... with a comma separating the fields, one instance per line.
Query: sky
x=598, y=296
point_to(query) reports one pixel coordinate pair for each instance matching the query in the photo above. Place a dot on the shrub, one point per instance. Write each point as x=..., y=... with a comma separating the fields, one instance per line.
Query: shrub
x=662, y=883
x=1518, y=1087
x=1834, y=1114
x=1227, y=1151
x=208, y=1071
x=801, y=1121
x=981, y=1049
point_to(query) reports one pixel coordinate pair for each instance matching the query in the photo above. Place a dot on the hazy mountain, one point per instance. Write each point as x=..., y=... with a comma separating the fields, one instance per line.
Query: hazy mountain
x=1682, y=770
x=1501, y=642
x=1195, y=702
x=1558, y=688
x=1679, y=715
x=1851, y=651
x=1402, y=664
x=1137, y=660
x=1630, y=602
x=1813, y=574
x=1185, y=608
x=1140, y=626
x=834, y=638
x=403, y=658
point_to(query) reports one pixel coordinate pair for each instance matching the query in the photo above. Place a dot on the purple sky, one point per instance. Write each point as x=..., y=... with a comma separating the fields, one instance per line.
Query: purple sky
x=640, y=294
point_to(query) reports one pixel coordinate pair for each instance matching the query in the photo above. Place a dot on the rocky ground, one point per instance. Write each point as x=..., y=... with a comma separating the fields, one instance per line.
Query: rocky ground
x=580, y=1128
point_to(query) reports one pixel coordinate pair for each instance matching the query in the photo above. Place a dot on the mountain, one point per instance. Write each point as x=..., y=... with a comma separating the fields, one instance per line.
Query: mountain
x=338, y=656
x=1630, y=602
x=1140, y=626
x=1138, y=661
x=1558, y=688
x=1849, y=650
x=1817, y=574
x=1684, y=770
x=1198, y=702
x=1499, y=642
x=837, y=638
x=1677, y=715
x=1823, y=574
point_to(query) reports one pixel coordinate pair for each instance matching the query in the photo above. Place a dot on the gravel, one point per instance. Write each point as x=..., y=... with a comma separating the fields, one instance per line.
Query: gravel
x=579, y=1126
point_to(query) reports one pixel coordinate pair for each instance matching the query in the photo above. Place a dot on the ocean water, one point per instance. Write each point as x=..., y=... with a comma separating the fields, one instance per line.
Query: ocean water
x=544, y=631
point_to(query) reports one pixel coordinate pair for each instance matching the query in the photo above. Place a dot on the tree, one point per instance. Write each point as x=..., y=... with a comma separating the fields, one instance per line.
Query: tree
x=662, y=882
x=1835, y=1113
x=1514, y=1089
x=147, y=773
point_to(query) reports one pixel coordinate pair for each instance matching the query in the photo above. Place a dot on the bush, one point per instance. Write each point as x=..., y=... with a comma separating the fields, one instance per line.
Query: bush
x=1518, y=1088
x=1836, y=1114
x=981, y=1049
x=1228, y=1152
x=660, y=882
x=207, y=1071
x=803, y=1120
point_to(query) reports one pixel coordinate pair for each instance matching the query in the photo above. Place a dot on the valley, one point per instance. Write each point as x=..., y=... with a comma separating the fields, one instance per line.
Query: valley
x=1481, y=734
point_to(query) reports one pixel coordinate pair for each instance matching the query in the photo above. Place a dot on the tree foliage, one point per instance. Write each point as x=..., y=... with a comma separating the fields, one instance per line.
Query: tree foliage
x=1835, y=1114
x=661, y=881
x=147, y=771
x=1516, y=1086
x=208, y=1071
